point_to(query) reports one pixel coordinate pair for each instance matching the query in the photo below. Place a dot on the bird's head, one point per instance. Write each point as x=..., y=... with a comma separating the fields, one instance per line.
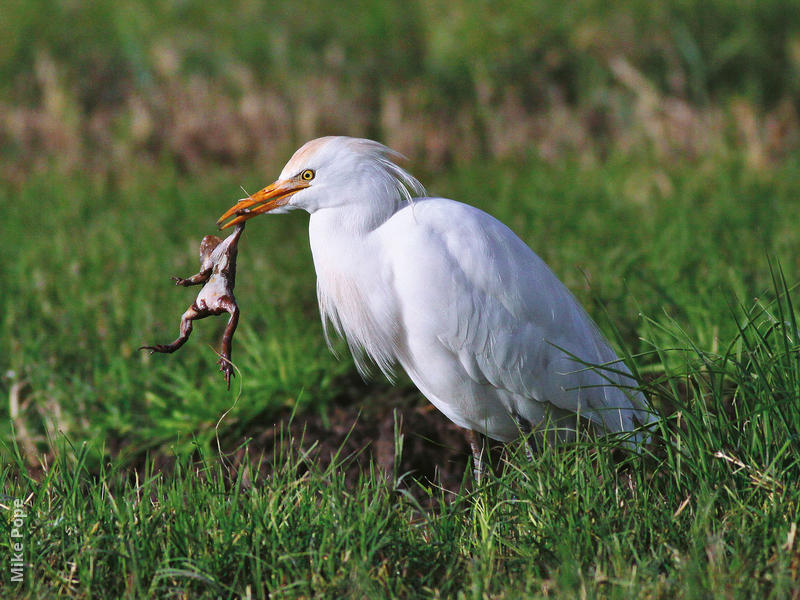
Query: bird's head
x=329, y=172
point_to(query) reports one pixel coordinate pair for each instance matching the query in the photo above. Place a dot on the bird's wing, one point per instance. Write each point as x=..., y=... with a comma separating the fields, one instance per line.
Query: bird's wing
x=507, y=317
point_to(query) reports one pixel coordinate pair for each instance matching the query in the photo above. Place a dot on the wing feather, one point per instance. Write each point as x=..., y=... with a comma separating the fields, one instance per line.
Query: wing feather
x=509, y=320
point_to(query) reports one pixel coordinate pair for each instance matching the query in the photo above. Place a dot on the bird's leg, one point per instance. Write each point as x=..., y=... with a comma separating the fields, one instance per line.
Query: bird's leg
x=195, y=279
x=186, y=330
x=477, y=442
x=225, y=365
x=526, y=430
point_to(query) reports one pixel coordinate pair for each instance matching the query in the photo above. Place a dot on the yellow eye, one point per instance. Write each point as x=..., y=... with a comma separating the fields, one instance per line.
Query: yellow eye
x=307, y=175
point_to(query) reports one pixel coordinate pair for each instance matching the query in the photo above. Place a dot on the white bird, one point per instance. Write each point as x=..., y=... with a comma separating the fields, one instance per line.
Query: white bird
x=477, y=320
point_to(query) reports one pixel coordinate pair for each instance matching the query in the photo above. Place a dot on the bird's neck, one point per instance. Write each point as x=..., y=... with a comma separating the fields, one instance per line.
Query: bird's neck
x=347, y=260
x=336, y=238
x=351, y=221
x=343, y=248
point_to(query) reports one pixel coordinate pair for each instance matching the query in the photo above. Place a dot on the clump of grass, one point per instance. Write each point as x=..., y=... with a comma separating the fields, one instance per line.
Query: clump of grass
x=737, y=404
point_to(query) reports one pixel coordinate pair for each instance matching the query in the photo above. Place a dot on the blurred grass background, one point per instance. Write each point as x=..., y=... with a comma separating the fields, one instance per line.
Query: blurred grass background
x=647, y=151
x=126, y=128
x=243, y=82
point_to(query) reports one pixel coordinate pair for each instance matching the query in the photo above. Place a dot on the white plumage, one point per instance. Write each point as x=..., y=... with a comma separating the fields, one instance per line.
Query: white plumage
x=478, y=321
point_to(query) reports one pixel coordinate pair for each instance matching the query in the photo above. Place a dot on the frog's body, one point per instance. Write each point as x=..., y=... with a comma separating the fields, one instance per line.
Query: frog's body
x=218, y=267
x=218, y=274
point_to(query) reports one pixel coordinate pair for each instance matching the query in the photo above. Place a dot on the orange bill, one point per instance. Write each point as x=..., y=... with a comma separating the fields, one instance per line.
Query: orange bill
x=270, y=198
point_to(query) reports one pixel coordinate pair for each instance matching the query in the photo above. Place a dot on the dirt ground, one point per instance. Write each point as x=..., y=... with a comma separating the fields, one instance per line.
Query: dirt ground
x=359, y=432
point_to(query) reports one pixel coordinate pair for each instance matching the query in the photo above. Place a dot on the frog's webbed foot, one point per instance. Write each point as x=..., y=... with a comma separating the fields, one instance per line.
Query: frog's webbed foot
x=226, y=367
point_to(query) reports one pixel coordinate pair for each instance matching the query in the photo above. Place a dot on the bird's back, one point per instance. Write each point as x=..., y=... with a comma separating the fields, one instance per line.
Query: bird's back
x=475, y=302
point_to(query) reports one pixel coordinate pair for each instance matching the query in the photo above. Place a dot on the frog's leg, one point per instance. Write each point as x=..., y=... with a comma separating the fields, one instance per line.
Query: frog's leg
x=195, y=279
x=225, y=365
x=186, y=330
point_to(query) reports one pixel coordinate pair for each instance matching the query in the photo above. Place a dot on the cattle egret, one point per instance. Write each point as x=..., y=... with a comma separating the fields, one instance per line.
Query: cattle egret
x=479, y=322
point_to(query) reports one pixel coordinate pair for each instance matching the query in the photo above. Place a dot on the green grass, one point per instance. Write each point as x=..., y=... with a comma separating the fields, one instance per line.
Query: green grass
x=699, y=49
x=681, y=521
x=663, y=194
x=134, y=499
x=98, y=86
x=89, y=283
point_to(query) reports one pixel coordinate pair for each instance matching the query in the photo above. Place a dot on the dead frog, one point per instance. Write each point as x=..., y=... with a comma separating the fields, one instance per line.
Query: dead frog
x=218, y=274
